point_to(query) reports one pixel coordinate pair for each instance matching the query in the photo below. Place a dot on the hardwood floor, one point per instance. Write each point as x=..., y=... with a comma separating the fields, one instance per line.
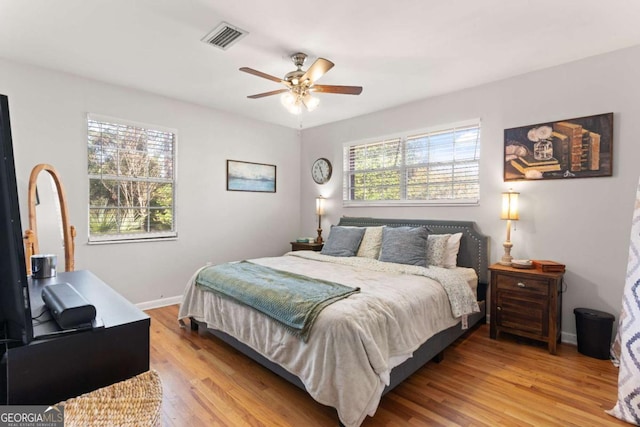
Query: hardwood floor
x=480, y=382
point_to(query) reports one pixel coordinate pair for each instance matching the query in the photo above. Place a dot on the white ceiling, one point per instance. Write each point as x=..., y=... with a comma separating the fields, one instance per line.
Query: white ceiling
x=399, y=51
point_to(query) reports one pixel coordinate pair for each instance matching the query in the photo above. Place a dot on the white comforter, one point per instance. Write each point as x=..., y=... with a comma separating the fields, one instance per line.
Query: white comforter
x=354, y=342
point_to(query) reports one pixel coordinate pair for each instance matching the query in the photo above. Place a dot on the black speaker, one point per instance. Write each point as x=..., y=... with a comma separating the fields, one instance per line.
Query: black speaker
x=67, y=306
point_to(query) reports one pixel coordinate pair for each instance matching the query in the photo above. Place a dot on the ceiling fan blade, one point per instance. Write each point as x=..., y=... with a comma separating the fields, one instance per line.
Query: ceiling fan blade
x=261, y=74
x=262, y=95
x=345, y=90
x=317, y=70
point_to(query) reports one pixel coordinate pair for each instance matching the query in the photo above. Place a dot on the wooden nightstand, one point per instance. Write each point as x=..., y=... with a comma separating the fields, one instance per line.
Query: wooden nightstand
x=296, y=246
x=526, y=302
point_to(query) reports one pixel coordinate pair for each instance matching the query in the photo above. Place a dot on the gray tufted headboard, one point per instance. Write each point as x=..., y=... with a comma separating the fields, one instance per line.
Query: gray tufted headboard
x=474, y=246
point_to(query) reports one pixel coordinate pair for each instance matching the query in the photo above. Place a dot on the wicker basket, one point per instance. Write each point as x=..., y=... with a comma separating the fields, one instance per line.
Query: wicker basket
x=133, y=402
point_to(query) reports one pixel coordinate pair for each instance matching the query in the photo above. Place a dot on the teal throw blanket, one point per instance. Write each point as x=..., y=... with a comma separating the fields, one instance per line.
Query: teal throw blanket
x=292, y=299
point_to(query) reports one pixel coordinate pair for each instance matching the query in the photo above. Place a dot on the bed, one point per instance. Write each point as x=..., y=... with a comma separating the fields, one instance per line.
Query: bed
x=351, y=368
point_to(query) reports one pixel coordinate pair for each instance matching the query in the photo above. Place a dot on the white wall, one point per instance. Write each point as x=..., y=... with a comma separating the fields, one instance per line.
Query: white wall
x=48, y=117
x=584, y=223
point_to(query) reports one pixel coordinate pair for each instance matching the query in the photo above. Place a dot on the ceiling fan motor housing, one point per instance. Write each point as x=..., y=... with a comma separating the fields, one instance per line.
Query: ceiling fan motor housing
x=293, y=77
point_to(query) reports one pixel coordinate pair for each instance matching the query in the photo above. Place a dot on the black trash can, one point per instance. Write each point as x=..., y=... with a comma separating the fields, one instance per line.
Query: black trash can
x=593, y=328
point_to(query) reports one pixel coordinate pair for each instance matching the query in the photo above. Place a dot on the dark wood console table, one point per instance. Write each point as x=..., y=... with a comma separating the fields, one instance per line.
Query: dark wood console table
x=57, y=366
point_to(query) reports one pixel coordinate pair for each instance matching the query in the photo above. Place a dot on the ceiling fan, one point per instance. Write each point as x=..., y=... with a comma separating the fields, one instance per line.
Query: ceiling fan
x=300, y=84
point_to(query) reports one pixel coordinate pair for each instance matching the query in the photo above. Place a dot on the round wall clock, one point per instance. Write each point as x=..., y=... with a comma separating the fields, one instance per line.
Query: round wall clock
x=321, y=170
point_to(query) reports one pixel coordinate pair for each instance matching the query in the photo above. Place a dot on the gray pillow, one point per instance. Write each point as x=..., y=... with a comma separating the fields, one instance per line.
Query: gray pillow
x=404, y=245
x=343, y=241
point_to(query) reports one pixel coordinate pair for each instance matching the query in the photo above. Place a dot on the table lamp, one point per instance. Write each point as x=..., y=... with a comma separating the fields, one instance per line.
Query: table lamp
x=509, y=212
x=320, y=212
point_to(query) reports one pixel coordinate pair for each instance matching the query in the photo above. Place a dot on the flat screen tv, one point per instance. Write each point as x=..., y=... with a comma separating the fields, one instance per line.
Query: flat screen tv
x=15, y=310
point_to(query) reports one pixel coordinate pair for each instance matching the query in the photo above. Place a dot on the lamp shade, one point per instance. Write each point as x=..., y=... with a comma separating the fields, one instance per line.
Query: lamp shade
x=311, y=102
x=287, y=99
x=320, y=205
x=509, y=205
x=295, y=108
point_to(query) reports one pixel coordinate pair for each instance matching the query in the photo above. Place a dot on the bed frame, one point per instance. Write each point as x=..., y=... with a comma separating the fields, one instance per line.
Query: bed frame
x=473, y=253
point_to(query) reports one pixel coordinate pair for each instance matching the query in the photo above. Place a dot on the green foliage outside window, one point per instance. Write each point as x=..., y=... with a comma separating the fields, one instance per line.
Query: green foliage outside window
x=440, y=165
x=131, y=180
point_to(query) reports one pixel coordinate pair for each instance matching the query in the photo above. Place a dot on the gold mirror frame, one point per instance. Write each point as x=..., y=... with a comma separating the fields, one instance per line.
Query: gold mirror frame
x=68, y=231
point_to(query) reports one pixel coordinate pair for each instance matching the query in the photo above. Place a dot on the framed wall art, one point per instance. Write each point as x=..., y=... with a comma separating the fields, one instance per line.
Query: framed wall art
x=247, y=176
x=572, y=148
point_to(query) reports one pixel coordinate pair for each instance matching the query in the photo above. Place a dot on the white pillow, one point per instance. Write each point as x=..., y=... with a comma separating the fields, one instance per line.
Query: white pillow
x=437, y=247
x=371, y=243
x=453, y=246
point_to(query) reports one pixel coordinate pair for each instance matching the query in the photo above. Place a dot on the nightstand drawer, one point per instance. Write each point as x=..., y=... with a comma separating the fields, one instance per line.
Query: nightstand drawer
x=303, y=246
x=523, y=284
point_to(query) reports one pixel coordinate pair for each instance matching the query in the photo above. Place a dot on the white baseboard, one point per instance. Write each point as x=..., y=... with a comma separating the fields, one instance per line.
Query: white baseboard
x=162, y=302
x=568, y=338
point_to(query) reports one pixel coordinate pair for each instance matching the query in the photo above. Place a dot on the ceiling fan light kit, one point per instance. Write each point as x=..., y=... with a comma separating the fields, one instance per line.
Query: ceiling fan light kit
x=296, y=98
x=301, y=83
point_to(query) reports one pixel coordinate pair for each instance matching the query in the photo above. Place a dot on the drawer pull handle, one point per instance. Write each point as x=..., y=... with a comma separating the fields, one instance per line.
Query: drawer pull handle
x=521, y=285
x=499, y=308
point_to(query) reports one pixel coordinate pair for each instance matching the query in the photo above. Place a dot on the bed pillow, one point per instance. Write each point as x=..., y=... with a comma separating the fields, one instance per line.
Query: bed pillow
x=453, y=246
x=404, y=245
x=371, y=243
x=343, y=241
x=437, y=249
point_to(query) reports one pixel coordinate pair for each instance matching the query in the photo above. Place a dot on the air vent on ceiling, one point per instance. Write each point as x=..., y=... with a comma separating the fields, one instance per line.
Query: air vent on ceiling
x=224, y=36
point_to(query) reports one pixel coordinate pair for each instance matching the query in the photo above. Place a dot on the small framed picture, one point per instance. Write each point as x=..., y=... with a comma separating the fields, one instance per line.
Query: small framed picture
x=570, y=148
x=248, y=176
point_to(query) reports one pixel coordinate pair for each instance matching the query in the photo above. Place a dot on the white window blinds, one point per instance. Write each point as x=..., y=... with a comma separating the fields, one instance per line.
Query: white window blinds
x=432, y=166
x=131, y=180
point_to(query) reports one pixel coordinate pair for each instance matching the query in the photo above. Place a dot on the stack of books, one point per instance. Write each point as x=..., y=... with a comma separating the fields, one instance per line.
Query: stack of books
x=528, y=163
x=576, y=147
x=548, y=266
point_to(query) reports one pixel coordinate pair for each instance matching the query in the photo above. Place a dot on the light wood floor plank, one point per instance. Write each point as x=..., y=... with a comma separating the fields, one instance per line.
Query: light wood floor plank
x=480, y=382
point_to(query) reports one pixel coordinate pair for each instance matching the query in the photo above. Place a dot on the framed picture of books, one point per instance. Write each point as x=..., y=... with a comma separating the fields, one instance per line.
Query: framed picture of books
x=570, y=148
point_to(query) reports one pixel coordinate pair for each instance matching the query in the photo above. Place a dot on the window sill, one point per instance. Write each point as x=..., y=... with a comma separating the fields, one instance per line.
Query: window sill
x=112, y=240
x=408, y=203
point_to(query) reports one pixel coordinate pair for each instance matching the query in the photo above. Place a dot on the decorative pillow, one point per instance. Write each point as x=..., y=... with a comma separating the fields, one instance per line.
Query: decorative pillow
x=343, y=241
x=453, y=246
x=437, y=249
x=371, y=243
x=404, y=245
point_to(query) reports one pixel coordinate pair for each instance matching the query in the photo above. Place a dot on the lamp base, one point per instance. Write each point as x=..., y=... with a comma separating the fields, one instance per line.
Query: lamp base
x=319, y=238
x=506, y=258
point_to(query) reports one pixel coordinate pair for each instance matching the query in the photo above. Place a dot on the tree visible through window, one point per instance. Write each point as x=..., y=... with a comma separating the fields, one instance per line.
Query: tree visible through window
x=432, y=166
x=131, y=180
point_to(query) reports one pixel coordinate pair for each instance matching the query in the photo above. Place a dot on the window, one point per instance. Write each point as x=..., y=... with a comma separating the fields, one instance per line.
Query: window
x=432, y=166
x=131, y=180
